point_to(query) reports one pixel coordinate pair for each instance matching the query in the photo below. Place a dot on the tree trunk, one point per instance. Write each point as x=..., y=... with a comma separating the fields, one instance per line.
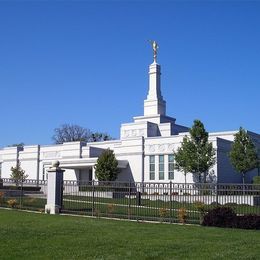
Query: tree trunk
x=185, y=175
x=243, y=177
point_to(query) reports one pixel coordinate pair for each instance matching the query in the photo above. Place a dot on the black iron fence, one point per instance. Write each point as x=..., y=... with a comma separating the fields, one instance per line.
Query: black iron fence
x=27, y=194
x=167, y=202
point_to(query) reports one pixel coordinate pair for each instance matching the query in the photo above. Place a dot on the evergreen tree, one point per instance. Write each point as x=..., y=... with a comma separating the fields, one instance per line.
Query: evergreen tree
x=18, y=174
x=243, y=154
x=196, y=154
x=106, y=166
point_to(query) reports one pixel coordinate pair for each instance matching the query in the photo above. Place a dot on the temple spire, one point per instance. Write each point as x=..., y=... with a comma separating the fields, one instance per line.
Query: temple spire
x=154, y=104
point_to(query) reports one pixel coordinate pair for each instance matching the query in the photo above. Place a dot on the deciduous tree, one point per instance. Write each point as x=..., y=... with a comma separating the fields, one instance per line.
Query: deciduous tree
x=243, y=154
x=98, y=137
x=73, y=133
x=196, y=154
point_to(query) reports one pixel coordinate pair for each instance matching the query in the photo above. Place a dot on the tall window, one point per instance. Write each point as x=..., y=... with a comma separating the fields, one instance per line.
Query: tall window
x=152, y=167
x=43, y=173
x=170, y=166
x=161, y=167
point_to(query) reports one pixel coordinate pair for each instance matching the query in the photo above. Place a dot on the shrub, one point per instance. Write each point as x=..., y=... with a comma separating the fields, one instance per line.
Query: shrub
x=250, y=221
x=231, y=204
x=226, y=217
x=2, y=197
x=110, y=208
x=12, y=203
x=163, y=213
x=201, y=207
x=182, y=215
x=215, y=204
x=256, y=180
x=220, y=217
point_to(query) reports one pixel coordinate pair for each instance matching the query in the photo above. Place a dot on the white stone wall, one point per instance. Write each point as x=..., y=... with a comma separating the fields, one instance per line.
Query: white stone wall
x=29, y=159
x=9, y=159
x=132, y=151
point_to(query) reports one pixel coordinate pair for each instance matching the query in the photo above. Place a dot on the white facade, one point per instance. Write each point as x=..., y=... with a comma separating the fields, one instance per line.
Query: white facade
x=149, y=139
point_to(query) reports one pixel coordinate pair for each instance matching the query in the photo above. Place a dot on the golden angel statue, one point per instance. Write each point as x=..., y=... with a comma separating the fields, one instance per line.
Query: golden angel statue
x=155, y=48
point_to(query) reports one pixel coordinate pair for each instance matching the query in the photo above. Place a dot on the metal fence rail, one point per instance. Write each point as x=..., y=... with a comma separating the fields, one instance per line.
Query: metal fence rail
x=168, y=202
x=28, y=194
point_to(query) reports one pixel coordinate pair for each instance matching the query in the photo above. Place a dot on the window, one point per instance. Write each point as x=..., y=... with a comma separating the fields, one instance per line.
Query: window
x=152, y=167
x=161, y=167
x=170, y=166
x=43, y=173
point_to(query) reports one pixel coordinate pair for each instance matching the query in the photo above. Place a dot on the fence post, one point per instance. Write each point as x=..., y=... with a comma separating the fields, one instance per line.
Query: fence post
x=21, y=193
x=55, y=188
x=129, y=199
x=217, y=193
x=93, y=197
x=170, y=201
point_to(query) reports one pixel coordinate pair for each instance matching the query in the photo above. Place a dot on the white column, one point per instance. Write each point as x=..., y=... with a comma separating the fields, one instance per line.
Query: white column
x=55, y=189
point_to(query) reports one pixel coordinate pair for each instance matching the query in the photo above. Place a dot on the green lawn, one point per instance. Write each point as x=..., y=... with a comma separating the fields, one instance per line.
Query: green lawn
x=40, y=236
x=149, y=209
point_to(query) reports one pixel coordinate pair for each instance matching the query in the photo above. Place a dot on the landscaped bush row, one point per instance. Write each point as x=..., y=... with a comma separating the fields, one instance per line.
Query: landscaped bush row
x=226, y=217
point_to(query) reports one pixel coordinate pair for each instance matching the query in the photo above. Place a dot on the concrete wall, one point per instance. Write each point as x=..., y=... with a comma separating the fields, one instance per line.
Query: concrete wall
x=226, y=172
x=9, y=159
x=132, y=151
x=29, y=159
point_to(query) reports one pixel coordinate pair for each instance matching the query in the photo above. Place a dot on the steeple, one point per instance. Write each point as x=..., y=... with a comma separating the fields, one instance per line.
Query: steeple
x=154, y=104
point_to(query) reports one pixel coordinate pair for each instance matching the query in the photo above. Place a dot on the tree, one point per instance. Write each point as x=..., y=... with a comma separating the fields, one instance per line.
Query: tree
x=98, y=137
x=196, y=154
x=106, y=166
x=258, y=162
x=17, y=145
x=243, y=154
x=18, y=174
x=73, y=133
x=183, y=157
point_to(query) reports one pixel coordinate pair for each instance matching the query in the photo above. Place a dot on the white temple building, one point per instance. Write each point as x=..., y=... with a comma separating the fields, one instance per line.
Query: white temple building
x=144, y=150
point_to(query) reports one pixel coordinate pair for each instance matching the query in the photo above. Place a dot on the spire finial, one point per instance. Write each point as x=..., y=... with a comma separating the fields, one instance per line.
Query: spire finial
x=155, y=48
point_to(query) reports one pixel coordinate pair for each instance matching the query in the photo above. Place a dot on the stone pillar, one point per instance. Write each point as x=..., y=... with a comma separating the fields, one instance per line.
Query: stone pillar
x=55, y=189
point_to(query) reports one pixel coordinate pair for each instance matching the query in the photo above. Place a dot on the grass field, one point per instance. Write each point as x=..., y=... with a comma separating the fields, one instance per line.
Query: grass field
x=40, y=236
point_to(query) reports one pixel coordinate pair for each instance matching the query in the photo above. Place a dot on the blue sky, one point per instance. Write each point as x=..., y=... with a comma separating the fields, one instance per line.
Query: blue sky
x=86, y=62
